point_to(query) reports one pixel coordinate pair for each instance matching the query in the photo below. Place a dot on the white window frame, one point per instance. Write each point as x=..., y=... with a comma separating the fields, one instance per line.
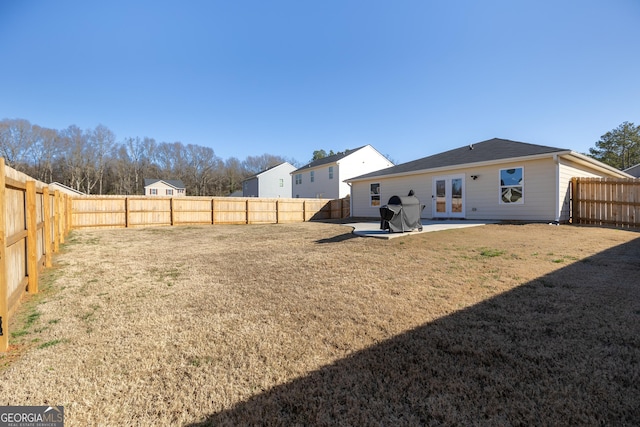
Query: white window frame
x=169, y=191
x=298, y=178
x=153, y=191
x=502, y=188
x=281, y=182
x=330, y=172
x=312, y=176
x=373, y=195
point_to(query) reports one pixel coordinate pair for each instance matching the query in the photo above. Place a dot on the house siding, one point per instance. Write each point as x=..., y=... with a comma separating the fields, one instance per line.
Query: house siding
x=250, y=188
x=482, y=196
x=568, y=170
x=360, y=162
x=267, y=183
x=162, y=190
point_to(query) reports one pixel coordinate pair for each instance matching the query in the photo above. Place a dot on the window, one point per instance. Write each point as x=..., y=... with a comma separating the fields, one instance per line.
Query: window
x=330, y=172
x=512, y=186
x=180, y=190
x=153, y=191
x=281, y=182
x=312, y=176
x=169, y=192
x=374, y=192
x=298, y=178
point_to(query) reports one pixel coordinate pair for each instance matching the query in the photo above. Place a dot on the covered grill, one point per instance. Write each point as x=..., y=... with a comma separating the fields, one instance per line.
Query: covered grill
x=401, y=213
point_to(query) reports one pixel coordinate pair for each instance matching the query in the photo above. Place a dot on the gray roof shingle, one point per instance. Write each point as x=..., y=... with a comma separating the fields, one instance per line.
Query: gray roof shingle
x=489, y=150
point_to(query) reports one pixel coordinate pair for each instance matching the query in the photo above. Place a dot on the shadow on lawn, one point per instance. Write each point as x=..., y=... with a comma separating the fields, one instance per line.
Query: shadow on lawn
x=563, y=349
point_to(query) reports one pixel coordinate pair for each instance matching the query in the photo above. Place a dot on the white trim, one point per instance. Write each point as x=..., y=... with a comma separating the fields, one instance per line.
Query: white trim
x=448, y=212
x=500, y=185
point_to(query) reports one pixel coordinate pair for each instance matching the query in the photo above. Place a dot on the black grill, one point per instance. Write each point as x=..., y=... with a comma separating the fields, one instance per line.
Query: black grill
x=401, y=213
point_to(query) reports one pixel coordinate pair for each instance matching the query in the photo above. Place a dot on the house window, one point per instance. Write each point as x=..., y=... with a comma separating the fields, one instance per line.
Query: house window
x=374, y=193
x=180, y=190
x=330, y=172
x=298, y=178
x=281, y=182
x=153, y=191
x=512, y=186
x=169, y=192
x=312, y=174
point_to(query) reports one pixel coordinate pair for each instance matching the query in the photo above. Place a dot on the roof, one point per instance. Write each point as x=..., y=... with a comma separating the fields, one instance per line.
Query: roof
x=175, y=183
x=66, y=188
x=634, y=170
x=329, y=159
x=266, y=170
x=484, y=151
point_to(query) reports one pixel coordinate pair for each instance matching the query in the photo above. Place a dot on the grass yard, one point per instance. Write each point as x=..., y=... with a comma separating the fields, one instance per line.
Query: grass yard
x=304, y=324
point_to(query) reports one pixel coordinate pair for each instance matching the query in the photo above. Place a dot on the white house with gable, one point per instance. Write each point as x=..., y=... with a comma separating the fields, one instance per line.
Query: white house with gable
x=325, y=178
x=273, y=182
x=167, y=188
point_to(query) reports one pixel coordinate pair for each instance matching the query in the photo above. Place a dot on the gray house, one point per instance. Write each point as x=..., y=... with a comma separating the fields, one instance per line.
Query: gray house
x=497, y=179
x=634, y=171
x=273, y=182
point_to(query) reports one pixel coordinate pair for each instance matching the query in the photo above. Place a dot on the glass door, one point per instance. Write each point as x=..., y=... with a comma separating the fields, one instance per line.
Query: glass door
x=448, y=196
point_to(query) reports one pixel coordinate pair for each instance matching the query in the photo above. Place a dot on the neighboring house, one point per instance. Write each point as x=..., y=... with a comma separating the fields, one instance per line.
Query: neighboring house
x=159, y=187
x=324, y=178
x=634, y=171
x=496, y=179
x=272, y=182
x=65, y=189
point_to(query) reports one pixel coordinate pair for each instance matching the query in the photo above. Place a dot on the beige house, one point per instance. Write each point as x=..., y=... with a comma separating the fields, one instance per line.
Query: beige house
x=165, y=188
x=497, y=179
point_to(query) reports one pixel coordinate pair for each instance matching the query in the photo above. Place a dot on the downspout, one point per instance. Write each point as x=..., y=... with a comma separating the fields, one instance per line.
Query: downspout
x=350, y=199
x=556, y=160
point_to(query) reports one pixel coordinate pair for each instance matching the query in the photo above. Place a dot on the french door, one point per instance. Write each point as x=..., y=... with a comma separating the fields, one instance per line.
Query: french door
x=448, y=196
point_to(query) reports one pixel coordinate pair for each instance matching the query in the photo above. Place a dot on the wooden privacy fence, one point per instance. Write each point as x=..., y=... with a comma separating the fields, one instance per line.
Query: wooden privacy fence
x=143, y=211
x=606, y=201
x=33, y=222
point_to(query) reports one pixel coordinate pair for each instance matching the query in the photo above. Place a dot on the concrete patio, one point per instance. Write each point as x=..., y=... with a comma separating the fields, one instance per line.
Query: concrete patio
x=372, y=228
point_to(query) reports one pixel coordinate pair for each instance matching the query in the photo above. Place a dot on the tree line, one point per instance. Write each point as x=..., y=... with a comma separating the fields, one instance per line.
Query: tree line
x=94, y=162
x=620, y=147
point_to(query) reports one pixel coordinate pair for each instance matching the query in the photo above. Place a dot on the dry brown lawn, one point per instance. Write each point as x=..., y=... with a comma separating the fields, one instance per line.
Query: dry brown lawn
x=304, y=324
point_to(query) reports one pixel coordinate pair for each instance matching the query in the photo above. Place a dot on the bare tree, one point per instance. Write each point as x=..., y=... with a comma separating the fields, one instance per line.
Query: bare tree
x=16, y=141
x=101, y=142
x=74, y=142
x=46, y=150
x=256, y=164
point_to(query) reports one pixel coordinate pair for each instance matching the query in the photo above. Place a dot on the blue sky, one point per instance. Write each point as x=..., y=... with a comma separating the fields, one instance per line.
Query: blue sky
x=411, y=78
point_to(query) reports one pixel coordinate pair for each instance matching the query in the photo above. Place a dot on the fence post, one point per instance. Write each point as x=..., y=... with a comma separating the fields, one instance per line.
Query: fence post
x=213, y=211
x=247, y=211
x=278, y=211
x=572, y=200
x=126, y=212
x=46, y=204
x=32, y=246
x=171, y=219
x=56, y=220
x=4, y=295
x=69, y=212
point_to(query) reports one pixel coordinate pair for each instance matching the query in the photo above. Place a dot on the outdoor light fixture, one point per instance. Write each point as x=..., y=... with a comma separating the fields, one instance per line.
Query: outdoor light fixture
x=474, y=177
